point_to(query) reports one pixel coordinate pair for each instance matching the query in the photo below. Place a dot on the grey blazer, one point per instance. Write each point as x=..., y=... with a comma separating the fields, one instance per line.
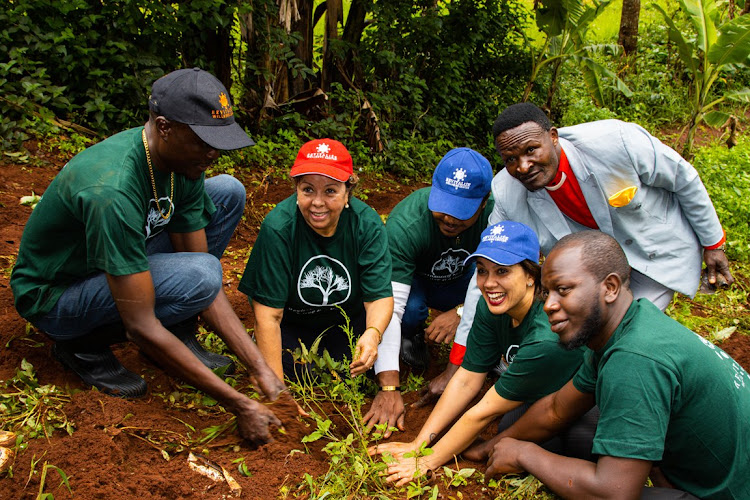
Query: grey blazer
x=662, y=229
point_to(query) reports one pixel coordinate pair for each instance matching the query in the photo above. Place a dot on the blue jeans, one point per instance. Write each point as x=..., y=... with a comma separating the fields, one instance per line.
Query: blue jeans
x=185, y=283
x=424, y=295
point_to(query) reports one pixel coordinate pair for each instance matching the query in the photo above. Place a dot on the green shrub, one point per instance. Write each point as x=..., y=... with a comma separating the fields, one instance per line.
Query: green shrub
x=726, y=175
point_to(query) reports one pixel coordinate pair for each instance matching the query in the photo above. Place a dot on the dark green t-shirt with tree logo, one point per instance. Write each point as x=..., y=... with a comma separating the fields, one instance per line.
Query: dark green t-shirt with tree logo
x=418, y=247
x=537, y=364
x=292, y=267
x=670, y=396
x=96, y=216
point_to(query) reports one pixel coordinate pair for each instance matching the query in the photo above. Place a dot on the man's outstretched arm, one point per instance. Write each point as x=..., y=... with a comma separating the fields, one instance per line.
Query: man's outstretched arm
x=134, y=296
x=222, y=319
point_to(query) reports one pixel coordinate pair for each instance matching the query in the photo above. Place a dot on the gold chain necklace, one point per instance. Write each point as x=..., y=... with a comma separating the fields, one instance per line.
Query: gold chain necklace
x=153, y=182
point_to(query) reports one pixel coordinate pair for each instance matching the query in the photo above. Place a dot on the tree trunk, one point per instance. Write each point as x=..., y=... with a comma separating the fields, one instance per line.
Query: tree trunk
x=304, y=49
x=334, y=15
x=355, y=26
x=631, y=11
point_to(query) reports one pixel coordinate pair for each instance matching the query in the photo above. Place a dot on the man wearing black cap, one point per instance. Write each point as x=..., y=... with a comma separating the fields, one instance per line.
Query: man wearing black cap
x=126, y=242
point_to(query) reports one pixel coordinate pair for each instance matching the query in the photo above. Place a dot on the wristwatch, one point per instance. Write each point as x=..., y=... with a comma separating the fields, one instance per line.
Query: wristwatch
x=460, y=311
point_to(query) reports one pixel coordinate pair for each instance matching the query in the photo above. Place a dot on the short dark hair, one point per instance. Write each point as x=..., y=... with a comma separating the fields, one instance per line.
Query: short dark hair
x=601, y=254
x=518, y=114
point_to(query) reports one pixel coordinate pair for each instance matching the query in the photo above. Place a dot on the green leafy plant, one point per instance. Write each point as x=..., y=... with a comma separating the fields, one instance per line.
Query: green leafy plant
x=419, y=485
x=321, y=379
x=514, y=487
x=33, y=409
x=46, y=467
x=565, y=24
x=457, y=477
x=716, y=46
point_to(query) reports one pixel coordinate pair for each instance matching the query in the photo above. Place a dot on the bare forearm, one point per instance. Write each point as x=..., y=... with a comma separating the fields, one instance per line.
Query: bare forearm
x=567, y=477
x=539, y=424
x=386, y=378
x=462, y=388
x=457, y=439
x=378, y=313
x=268, y=337
x=222, y=319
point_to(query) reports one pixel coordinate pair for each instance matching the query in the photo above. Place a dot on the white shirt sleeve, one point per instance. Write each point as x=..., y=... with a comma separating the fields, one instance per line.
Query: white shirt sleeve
x=473, y=295
x=390, y=346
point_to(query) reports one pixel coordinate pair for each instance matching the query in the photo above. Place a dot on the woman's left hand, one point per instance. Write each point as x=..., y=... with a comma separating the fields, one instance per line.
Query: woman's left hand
x=366, y=352
x=403, y=472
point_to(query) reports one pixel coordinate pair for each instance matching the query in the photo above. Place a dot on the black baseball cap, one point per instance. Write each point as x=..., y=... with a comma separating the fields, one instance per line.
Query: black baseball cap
x=198, y=99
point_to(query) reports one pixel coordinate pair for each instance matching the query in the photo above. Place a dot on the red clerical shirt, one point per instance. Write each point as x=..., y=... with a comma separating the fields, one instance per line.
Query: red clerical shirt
x=567, y=195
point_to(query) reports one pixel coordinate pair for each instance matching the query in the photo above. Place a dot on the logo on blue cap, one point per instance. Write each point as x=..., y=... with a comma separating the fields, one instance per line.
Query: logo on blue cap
x=458, y=179
x=496, y=234
x=507, y=243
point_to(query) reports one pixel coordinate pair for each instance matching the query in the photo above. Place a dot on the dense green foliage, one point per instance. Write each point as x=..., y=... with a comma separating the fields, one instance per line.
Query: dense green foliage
x=444, y=72
x=90, y=62
x=435, y=73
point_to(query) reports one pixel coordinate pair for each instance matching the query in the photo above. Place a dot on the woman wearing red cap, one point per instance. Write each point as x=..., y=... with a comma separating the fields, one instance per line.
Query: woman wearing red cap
x=318, y=250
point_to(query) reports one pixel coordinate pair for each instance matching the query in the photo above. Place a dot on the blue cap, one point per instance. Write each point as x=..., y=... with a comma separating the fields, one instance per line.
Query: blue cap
x=507, y=243
x=461, y=181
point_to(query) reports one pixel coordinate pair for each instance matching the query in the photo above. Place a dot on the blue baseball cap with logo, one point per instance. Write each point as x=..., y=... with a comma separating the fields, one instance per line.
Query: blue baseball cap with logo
x=507, y=243
x=461, y=181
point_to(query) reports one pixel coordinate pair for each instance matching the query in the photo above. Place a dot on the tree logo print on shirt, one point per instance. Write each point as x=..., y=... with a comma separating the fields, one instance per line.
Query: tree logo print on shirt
x=323, y=281
x=153, y=219
x=510, y=354
x=450, y=264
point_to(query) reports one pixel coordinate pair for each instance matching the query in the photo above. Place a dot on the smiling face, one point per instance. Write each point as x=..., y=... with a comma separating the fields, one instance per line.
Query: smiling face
x=321, y=200
x=181, y=151
x=506, y=289
x=530, y=153
x=574, y=299
x=451, y=227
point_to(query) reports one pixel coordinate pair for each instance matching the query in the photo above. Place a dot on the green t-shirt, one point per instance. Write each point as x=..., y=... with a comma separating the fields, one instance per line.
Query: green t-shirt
x=669, y=396
x=418, y=246
x=96, y=216
x=292, y=267
x=538, y=365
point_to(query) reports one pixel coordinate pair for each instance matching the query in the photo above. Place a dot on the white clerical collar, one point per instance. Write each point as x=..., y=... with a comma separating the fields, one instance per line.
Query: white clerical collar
x=558, y=185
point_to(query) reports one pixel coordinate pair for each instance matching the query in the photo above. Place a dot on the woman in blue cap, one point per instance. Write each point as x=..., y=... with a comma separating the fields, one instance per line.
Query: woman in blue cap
x=510, y=325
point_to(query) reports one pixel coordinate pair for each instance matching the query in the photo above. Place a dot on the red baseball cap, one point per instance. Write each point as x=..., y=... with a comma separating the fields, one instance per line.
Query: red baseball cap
x=324, y=157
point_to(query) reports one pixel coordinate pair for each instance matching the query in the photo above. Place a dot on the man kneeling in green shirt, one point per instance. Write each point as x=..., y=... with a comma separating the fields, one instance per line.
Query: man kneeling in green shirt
x=673, y=405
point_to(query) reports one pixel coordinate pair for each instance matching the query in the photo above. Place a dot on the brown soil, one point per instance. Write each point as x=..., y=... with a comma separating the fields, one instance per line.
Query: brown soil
x=112, y=453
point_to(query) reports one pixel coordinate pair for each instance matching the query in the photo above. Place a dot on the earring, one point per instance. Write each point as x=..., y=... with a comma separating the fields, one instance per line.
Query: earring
x=347, y=205
x=530, y=284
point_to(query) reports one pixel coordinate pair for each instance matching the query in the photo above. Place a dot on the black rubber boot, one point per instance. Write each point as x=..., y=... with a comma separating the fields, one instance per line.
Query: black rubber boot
x=414, y=351
x=90, y=358
x=185, y=331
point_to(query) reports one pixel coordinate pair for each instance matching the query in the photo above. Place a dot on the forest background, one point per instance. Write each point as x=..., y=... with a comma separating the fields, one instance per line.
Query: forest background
x=399, y=83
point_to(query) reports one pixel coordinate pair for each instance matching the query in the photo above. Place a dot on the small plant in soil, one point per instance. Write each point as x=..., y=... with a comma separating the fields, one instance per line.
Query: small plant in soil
x=352, y=470
x=46, y=467
x=32, y=409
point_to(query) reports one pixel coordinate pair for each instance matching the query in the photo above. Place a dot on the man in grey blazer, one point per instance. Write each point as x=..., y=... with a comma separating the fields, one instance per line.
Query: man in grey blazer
x=611, y=176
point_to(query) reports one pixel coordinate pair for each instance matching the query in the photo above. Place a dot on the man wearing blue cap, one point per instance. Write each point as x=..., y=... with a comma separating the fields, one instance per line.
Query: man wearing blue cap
x=125, y=244
x=430, y=234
